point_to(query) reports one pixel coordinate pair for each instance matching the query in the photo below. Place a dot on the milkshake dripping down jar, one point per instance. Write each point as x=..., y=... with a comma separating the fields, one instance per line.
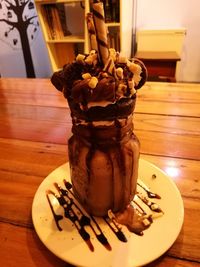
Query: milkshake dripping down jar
x=104, y=164
x=101, y=89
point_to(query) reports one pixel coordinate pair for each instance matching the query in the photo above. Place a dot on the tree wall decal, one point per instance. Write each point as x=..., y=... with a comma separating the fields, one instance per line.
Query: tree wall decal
x=20, y=27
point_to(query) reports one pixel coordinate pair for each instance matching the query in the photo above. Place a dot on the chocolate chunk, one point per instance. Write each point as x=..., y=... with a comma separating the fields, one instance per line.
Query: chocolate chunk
x=81, y=91
x=57, y=81
x=104, y=91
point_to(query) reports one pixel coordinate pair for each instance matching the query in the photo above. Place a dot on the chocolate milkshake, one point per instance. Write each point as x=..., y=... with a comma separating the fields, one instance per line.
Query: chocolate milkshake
x=101, y=89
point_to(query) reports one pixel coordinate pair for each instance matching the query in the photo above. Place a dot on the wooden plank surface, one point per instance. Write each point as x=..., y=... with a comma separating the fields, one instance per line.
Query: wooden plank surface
x=169, y=99
x=52, y=124
x=157, y=98
x=36, y=254
x=22, y=159
x=20, y=247
x=35, y=124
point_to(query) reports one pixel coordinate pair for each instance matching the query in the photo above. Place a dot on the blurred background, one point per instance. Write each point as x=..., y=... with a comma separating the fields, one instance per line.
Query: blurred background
x=29, y=48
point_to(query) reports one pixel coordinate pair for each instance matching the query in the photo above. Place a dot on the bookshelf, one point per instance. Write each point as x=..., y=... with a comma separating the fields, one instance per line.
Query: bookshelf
x=65, y=30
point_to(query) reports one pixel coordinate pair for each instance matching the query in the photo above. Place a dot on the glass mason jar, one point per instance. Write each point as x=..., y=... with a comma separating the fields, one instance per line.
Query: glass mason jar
x=104, y=165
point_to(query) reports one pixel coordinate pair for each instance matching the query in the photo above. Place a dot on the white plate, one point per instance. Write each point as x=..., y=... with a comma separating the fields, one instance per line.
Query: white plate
x=139, y=250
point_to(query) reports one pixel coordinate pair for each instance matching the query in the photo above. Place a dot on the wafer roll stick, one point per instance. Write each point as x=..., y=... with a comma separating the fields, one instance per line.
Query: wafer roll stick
x=101, y=32
x=91, y=31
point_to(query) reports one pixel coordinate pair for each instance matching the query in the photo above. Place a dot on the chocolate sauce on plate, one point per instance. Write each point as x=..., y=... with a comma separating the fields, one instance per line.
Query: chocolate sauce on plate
x=134, y=217
x=149, y=193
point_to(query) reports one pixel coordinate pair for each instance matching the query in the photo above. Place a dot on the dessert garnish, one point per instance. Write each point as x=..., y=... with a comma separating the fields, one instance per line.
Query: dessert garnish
x=103, y=75
x=149, y=193
x=101, y=88
x=138, y=216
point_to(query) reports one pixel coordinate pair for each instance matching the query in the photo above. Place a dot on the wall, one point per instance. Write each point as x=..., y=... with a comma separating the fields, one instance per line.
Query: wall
x=12, y=60
x=163, y=14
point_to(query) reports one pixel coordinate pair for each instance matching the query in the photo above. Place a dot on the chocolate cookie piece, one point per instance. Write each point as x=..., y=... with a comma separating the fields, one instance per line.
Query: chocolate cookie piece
x=120, y=109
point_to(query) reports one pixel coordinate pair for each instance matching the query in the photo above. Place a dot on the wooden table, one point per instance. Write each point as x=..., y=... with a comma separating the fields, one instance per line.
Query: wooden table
x=34, y=127
x=160, y=65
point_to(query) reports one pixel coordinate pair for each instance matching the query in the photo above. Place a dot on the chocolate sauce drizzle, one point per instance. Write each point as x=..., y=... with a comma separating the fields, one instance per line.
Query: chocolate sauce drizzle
x=80, y=219
x=98, y=232
x=74, y=213
x=149, y=203
x=149, y=193
x=116, y=229
x=71, y=215
x=57, y=217
x=139, y=208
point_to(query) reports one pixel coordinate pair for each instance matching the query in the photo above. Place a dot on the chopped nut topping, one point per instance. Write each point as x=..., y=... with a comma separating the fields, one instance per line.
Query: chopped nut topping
x=122, y=59
x=93, y=82
x=134, y=68
x=86, y=75
x=93, y=52
x=154, y=206
x=146, y=222
x=91, y=59
x=80, y=57
x=104, y=74
x=113, y=53
x=119, y=72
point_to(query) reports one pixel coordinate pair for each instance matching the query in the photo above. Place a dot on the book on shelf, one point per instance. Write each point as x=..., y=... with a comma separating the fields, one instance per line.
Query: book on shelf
x=114, y=39
x=47, y=21
x=115, y=10
x=111, y=10
x=55, y=21
x=62, y=16
x=107, y=10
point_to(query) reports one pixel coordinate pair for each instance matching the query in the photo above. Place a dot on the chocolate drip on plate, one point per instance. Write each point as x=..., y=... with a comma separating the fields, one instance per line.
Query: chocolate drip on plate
x=115, y=229
x=71, y=215
x=134, y=217
x=149, y=193
x=153, y=206
x=57, y=217
x=85, y=220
